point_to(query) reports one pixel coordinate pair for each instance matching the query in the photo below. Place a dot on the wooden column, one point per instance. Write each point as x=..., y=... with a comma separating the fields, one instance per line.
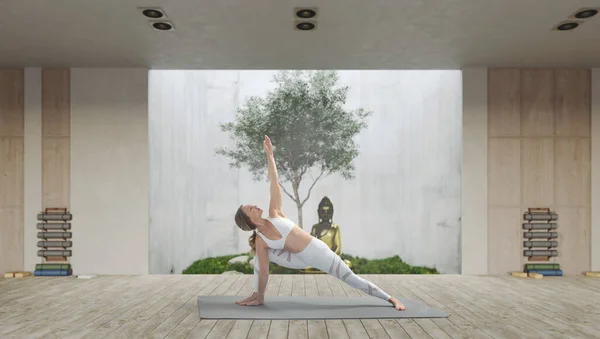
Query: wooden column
x=56, y=138
x=11, y=169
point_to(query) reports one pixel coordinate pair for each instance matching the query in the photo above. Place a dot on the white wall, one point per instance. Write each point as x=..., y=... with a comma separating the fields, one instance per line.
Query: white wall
x=595, y=171
x=32, y=165
x=109, y=170
x=405, y=200
x=474, y=237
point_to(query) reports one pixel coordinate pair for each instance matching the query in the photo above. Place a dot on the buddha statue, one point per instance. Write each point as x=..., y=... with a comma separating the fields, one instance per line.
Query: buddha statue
x=327, y=231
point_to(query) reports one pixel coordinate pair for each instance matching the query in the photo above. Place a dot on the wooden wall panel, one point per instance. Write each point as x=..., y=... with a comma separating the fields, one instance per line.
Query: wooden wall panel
x=11, y=239
x=555, y=161
x=12, y=131
x=56, y=172
x=537, y=104
x=11, y=172
x=572, y=98
x=504, y=172
x=574, y=239
x=572, y=168
x=537, y=172
x=11, y=103
x=56, y=102
x=56, y=137
x=504, y=117
x=504, y=240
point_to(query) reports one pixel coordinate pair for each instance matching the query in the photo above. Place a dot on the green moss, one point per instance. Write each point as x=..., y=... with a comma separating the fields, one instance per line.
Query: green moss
x=391, y=265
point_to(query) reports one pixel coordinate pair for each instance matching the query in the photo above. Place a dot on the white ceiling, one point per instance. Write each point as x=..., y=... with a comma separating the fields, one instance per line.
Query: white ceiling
x=259, y=34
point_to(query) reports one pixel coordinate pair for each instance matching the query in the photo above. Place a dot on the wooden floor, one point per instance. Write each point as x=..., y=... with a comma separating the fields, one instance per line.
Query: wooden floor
x=165, y=306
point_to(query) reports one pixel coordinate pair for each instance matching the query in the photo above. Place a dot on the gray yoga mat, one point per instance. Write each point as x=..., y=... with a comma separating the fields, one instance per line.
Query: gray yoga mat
x=297, y=307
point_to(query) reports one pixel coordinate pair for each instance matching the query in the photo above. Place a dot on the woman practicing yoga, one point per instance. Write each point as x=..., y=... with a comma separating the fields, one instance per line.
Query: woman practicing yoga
x=282, y=242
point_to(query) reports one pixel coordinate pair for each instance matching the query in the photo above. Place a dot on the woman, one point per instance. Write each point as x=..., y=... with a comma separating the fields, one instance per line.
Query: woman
x=282, y=242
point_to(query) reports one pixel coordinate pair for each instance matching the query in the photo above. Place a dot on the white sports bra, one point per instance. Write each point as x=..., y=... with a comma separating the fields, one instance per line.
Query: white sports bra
x=284, y=226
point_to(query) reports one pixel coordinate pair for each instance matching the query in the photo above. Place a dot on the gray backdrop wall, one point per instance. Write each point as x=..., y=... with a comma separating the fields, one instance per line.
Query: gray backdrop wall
x=405, y=199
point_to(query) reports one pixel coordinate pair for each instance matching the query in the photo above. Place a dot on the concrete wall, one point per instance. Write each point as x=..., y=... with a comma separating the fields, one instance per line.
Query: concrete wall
x=109, y=170
x=474, y=244
x=405, y=199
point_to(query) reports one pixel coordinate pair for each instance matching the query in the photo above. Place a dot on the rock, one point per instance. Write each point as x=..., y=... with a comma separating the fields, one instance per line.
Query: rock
x=231, y=272
x=241, y=259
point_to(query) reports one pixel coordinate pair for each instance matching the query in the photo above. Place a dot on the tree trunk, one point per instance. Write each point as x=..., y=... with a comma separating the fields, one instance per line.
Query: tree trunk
x=299, y=215
x=298, y=204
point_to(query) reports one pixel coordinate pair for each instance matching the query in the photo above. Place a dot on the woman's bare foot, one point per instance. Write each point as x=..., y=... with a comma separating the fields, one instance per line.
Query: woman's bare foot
x=255, y=302
x=252, y=297
x=397, y=304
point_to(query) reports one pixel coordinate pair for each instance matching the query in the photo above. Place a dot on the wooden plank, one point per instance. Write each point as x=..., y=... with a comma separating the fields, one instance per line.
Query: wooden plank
x=338, y=328
x=537, y=172
x=155, y=314
x=505, y=240
x=26, y=321
x=530, y=304
x=241, y=328
x=335, y=328
x=504, y=172
x=136, y=299
x=56, y=295
x=429, y=296
x=572, y=100
x=483, y=318
x=572, y=160
x=316, y=328
x=435, y=328
x=537, y=105
x=504, y=103
x=12, y=104
x=298, y=329
x=479, y=307
x=56, y=102
x=83, y=306
x=223, y=327
x=278, y=328
x=192, y=322
x=261, y=328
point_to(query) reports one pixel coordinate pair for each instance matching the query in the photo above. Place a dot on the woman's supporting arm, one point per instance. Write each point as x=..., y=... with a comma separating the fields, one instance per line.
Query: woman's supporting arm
x=262, y=255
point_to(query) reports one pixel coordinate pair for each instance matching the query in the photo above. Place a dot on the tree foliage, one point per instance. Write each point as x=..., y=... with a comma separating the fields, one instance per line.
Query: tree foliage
x=308, y=124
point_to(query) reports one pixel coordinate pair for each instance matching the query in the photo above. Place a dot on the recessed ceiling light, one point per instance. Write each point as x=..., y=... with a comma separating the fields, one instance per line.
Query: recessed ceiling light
x=162, y=26
x=305, y=13
x=305, y=26
x=586, y=13
x=567, y=26
x=153, y=12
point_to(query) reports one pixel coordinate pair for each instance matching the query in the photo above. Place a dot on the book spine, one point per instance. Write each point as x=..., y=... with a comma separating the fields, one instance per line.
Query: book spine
x=542, y=266
x=52, y=273
x=555, y=273
x=52, y=266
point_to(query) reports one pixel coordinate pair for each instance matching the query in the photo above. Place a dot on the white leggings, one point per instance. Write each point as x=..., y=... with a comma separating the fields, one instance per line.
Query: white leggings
x=318, y=255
